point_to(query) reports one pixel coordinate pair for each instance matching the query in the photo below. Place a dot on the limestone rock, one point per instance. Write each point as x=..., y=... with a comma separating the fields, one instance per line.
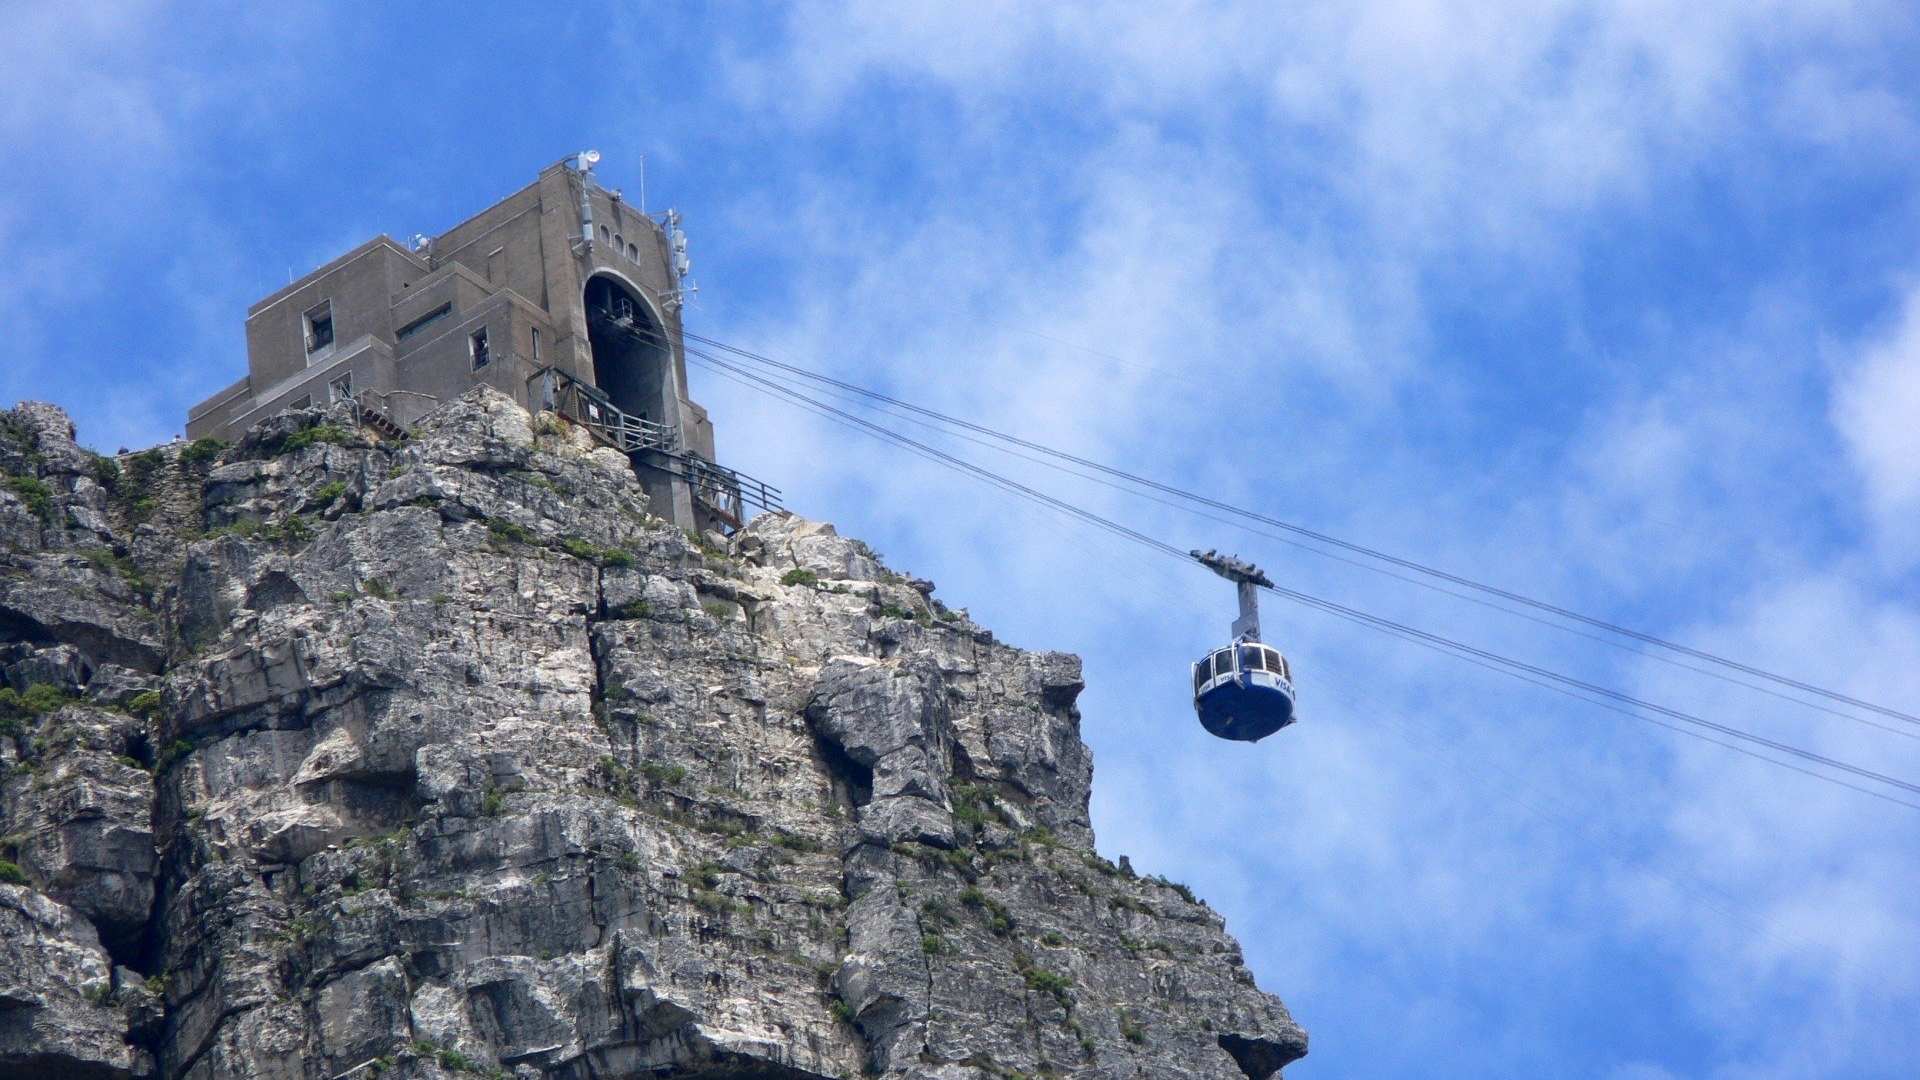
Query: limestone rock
x=327, y=756
x=55, y=988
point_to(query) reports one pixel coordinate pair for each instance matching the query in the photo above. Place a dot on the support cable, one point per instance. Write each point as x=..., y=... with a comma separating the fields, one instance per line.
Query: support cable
x=1607, y=698
x=1518, y=790
x=1481, y=601
x=1526, y=672
x=1325, y=538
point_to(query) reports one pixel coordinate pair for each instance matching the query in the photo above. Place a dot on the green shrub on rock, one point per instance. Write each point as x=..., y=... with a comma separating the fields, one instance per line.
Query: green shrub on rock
x=38, y=699
x=313, y=436
x=35, y=493
x=106, y=470
x=200, y=451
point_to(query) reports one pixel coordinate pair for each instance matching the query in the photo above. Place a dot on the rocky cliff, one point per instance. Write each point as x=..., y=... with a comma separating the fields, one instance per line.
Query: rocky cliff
x=326, y=756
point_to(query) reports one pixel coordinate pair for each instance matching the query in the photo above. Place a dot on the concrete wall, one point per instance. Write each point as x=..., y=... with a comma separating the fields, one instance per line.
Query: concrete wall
x=359, y=287
x=366, y=359
x=437, y=364
x=505, y=245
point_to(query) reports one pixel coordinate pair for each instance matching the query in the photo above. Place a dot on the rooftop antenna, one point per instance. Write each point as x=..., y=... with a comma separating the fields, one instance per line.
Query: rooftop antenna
x=643, y=183
x=583, y=163
x=682, y=265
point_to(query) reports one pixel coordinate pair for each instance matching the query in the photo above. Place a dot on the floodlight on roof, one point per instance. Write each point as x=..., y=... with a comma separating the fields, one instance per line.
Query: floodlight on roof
x=586, y=159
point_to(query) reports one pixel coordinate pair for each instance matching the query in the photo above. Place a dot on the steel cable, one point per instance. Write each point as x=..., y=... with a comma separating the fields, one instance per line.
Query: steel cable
x=1625, y=704
x=1334, y=541
x=857, y=399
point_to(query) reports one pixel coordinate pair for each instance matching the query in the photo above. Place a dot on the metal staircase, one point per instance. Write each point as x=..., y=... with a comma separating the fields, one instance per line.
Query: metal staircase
x=372, y=416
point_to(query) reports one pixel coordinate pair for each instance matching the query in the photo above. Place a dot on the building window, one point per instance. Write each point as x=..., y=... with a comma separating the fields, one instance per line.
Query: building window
x=341, y=388
x=536, y=344
x=423, y=321
x=319, y=327
x=633, y=253
x=477, y=346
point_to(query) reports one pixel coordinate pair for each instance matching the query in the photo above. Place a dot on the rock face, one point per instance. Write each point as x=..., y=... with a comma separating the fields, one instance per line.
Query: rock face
x=322, y=756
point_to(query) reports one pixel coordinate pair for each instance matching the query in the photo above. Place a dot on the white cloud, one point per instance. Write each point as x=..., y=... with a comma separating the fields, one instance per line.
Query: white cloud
x=1280, y=197
x=121, y=121
x=81, y=70
x=1447, y=123
x=1877, y=411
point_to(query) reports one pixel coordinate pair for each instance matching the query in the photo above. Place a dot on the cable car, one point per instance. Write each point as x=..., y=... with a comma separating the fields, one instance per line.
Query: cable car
x=1244, y=690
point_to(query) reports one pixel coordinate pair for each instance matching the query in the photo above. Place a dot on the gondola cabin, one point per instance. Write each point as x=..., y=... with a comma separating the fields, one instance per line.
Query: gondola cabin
x=1243, y=692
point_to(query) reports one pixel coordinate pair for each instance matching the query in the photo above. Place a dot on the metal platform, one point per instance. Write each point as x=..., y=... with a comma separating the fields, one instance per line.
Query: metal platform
x=727, y=493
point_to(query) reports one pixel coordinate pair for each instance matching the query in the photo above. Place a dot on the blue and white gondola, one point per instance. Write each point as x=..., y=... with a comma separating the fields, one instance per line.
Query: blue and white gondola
x=1242, y=691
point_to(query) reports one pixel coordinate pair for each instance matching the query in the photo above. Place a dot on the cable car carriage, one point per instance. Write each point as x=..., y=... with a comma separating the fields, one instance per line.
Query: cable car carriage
x=1244, y=690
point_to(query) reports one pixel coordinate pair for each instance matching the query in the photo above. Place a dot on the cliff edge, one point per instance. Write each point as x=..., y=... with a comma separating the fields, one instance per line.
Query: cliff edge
x=326, y=756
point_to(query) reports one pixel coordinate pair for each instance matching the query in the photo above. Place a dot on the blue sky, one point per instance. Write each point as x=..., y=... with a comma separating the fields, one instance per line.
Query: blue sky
x=1616, y=304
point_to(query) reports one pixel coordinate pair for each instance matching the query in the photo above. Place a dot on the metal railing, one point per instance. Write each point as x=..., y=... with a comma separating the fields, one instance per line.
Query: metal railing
x=723, y=492
x=587, y=406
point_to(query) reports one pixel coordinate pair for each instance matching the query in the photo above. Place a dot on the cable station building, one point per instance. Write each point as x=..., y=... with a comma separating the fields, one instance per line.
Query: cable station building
x=563, y=296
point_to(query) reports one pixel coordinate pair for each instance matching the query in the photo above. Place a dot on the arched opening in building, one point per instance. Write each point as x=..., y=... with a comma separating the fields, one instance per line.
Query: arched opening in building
x=632, y=363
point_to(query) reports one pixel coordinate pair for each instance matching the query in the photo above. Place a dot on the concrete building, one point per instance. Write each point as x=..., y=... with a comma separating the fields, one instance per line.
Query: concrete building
x=562, y=295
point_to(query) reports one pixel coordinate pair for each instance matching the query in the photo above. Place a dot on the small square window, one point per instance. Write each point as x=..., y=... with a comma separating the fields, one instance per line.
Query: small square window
x=341, y=388
x=477, y=347
x=319, y=327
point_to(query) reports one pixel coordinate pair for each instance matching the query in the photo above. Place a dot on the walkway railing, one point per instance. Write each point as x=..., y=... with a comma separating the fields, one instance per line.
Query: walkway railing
x=724, y=492
x=587, y=406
